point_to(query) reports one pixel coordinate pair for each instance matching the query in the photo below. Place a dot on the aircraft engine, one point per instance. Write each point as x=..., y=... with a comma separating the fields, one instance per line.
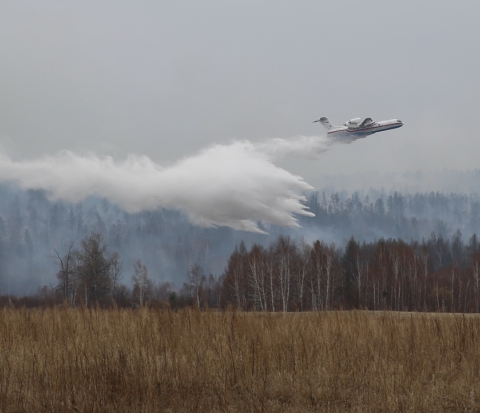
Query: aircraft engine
x=353, y=123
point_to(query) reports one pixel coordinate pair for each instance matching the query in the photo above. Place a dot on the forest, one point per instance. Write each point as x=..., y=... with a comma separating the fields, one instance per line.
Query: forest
x=368, y=249
x=437, y=274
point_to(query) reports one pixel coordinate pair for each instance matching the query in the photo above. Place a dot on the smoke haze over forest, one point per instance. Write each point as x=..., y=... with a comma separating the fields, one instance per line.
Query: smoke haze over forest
x=32, y=227
x=177, y=130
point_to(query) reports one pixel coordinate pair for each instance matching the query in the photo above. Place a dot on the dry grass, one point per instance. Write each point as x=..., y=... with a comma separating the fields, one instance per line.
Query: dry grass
x=64, y=360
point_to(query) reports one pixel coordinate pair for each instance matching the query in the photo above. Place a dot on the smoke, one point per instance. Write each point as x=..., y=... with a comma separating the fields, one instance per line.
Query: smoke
x=309, y=147
x=236, y=185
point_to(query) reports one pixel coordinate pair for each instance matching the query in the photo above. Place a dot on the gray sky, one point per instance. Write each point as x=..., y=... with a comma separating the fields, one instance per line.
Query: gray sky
x=167, y=79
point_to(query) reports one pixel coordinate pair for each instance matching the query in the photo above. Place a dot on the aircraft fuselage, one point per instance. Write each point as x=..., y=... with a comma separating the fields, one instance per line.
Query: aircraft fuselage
x=362, y=131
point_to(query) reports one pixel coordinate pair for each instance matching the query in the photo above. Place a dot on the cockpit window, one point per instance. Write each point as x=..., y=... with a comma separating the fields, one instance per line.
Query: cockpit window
x=398, y=120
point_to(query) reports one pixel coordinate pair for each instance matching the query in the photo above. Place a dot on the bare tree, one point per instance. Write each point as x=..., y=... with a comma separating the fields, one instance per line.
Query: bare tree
x=141, y=283
x=236, y=275
x=476, y=283
x=88, y=274
x=257, y=278
x=302, y=272
x=195, y=280
x=285, y=252
x=329, y=253
x=115, y=272
x=66, y=274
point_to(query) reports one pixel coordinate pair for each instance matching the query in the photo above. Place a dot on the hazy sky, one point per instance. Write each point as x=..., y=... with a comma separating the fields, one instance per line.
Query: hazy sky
x=167, y=79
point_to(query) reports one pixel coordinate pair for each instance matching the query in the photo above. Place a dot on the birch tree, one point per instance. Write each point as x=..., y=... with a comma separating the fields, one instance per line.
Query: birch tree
x=141, y=283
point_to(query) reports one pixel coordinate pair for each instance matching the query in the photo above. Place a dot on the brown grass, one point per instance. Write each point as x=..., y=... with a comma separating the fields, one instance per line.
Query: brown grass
x=63, y=360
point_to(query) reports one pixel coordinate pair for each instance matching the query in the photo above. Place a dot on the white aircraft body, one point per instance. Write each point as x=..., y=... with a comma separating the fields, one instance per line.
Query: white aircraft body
x=356, y=128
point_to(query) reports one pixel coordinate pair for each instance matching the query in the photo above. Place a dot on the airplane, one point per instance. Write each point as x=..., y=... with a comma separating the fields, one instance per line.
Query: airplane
x=356, y=128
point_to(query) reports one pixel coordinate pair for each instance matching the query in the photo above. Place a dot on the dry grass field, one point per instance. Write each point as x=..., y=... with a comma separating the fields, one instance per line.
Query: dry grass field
x=64, y=360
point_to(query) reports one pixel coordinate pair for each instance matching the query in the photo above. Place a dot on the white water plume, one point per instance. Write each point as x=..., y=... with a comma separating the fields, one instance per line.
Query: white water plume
x=233, y=185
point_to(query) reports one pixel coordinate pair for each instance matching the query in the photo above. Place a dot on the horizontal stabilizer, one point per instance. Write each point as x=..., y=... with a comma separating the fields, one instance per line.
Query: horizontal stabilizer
x=325, y=122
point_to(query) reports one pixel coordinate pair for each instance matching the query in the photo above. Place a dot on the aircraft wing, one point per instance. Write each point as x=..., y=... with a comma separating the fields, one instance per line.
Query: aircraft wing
x=366, y=122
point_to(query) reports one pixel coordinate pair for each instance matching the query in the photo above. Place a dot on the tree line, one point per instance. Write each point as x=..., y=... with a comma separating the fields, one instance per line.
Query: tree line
x=32, y=228
x=437, y=274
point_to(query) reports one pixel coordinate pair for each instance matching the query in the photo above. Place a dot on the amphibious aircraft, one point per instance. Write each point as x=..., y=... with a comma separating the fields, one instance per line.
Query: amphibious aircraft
x=356, y=128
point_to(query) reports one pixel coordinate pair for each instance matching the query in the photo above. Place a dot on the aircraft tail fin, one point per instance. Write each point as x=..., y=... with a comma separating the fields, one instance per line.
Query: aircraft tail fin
x=325, y=122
